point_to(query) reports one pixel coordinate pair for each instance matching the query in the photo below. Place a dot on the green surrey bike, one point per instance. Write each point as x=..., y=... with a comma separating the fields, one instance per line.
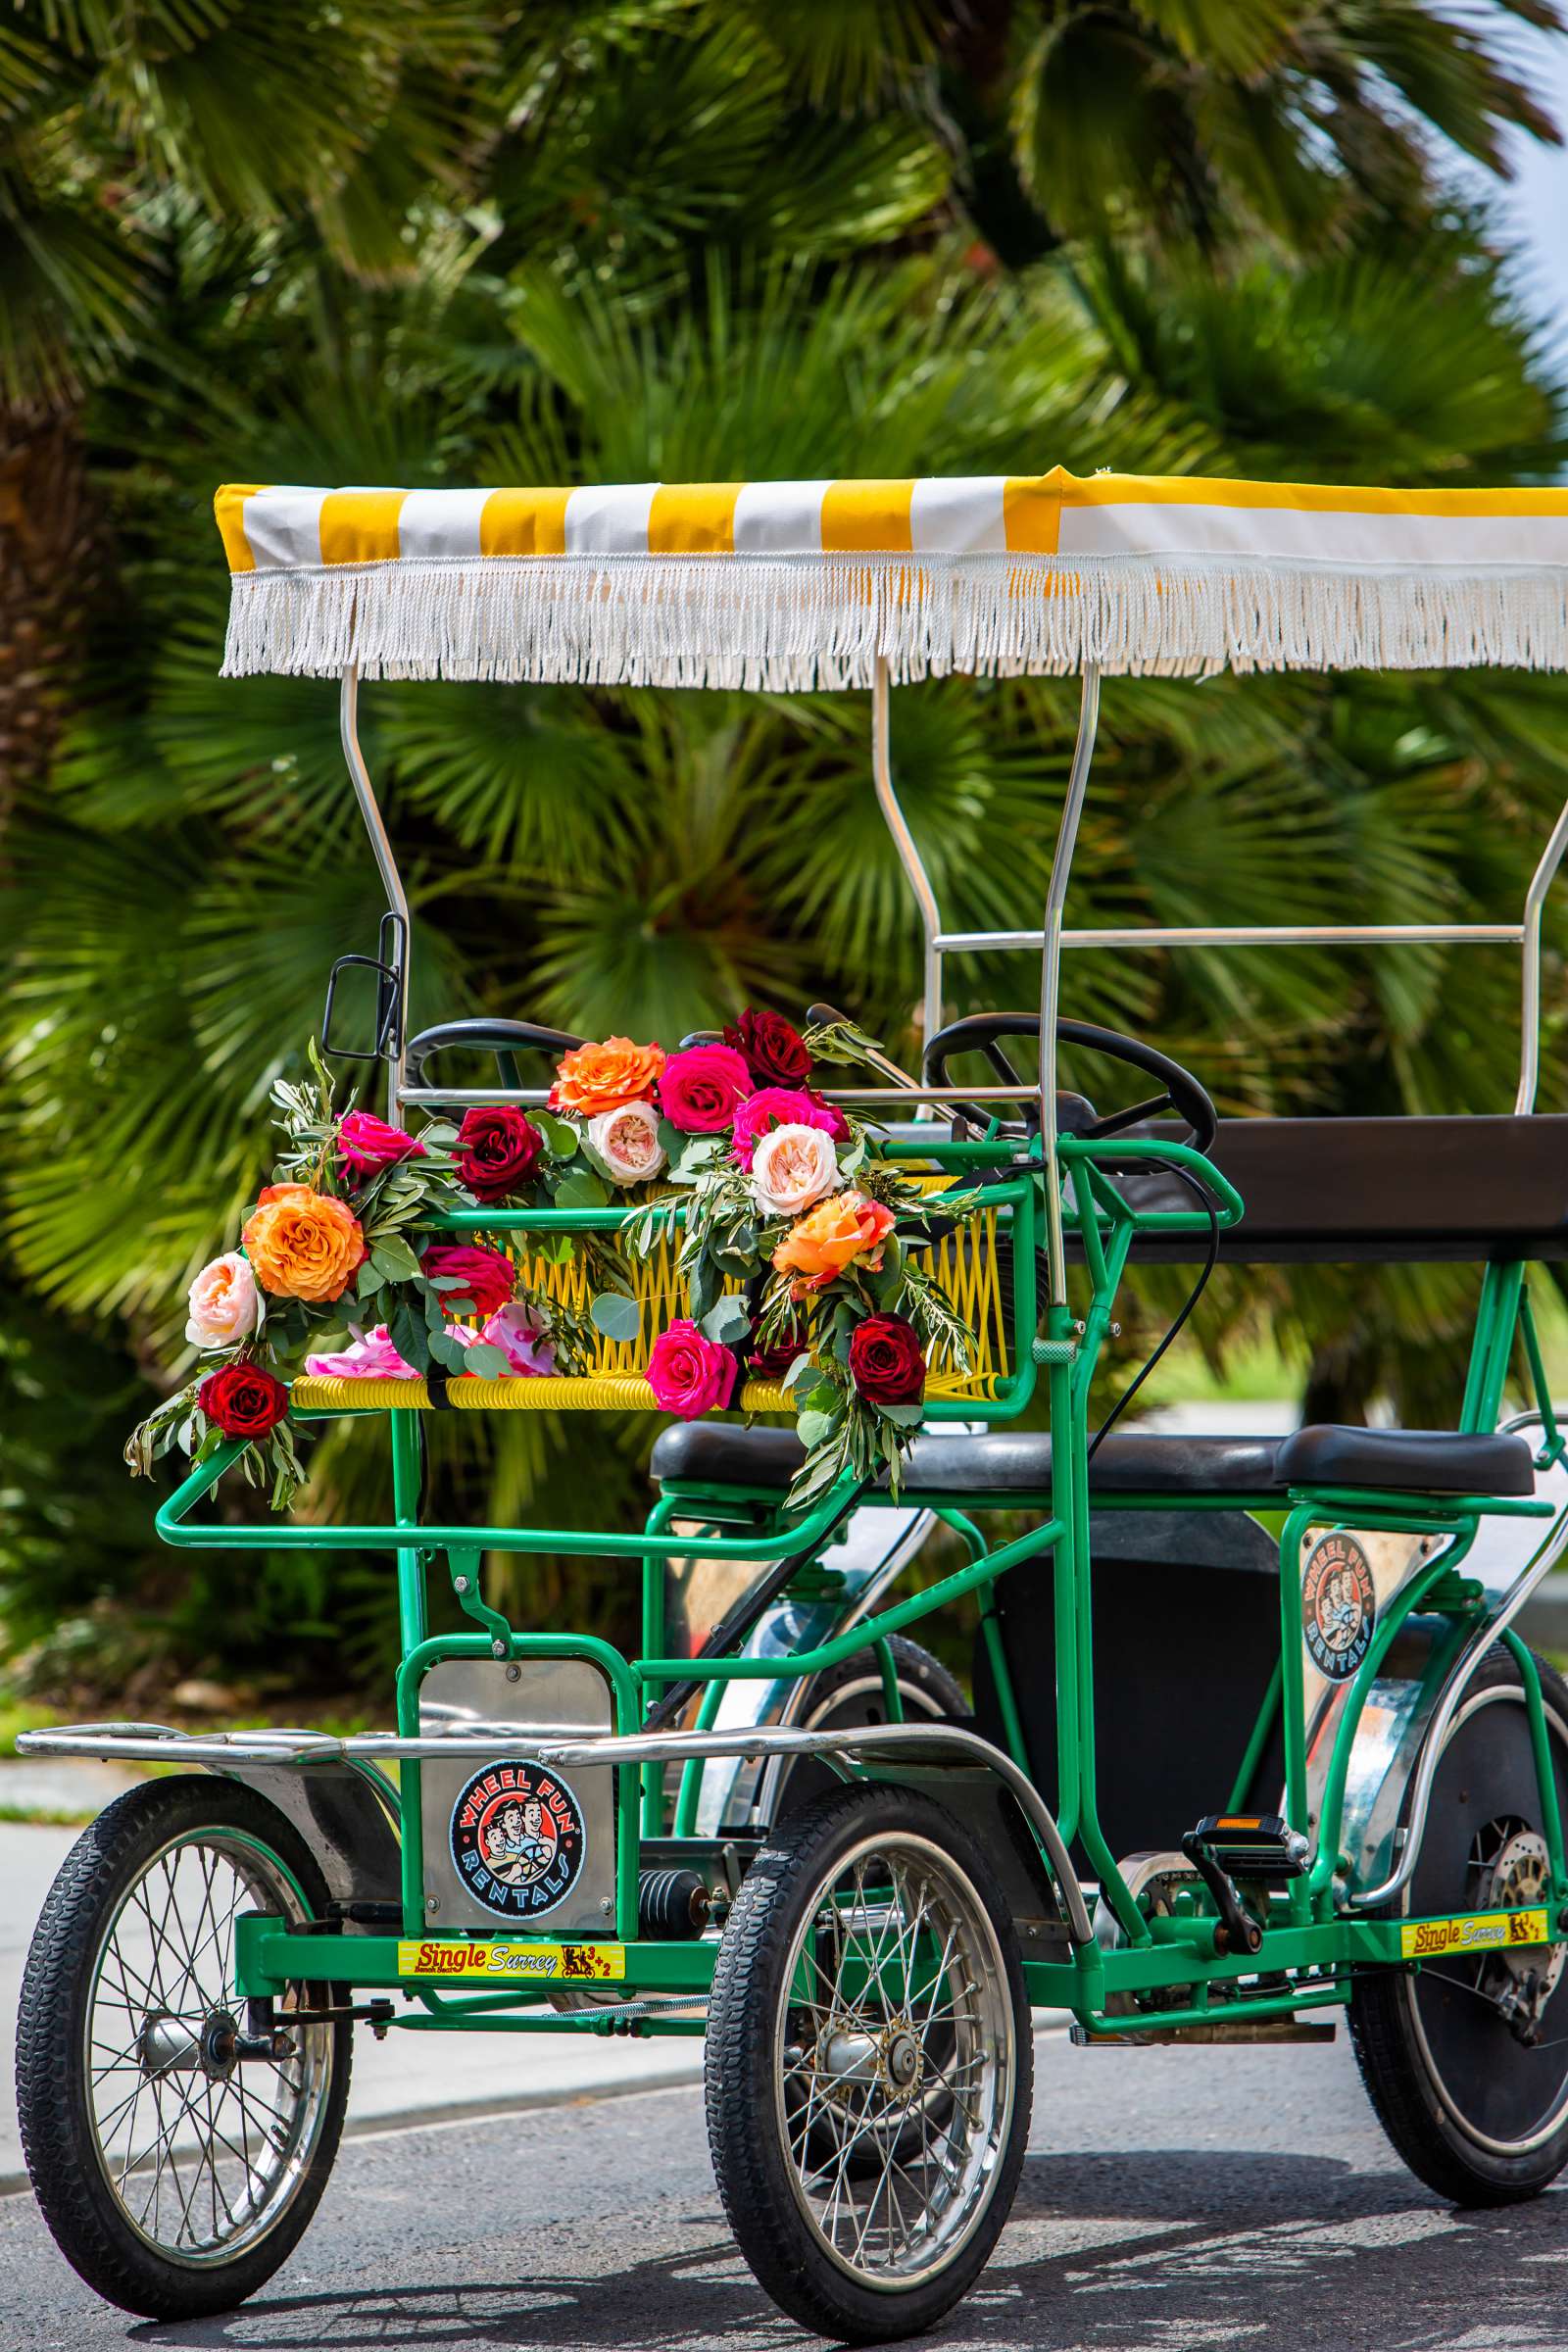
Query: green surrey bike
x=1253, y=1736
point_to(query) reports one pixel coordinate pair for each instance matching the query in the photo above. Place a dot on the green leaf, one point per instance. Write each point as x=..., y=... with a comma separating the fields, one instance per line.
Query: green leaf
x=485, y=1362
x=408, y=1333
x=582, y=1189
x=704, y=1283
x=449, y=1352
x=727, y=1320
x=902, y=1416
x=798, y=1369
x=560, y=1138
x=392, y=1258
x=618, y=1317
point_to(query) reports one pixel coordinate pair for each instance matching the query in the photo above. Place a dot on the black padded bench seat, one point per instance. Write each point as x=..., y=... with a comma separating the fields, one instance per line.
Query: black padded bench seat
x=1017, y=1461
x=1380, y=1191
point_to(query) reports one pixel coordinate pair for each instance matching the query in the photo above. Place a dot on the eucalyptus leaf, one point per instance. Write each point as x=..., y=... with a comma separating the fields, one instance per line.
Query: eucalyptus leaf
x=449, y=1352
x=902, y=1416
x=727, y=1320
x=560, y=1138
x=582, y=1189
x=485, y=1362
x=392, y=1258
x=618, y=1317
x=814, y=1429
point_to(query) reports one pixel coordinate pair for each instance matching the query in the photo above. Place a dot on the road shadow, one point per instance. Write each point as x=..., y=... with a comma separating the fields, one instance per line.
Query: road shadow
x=1166, y=2250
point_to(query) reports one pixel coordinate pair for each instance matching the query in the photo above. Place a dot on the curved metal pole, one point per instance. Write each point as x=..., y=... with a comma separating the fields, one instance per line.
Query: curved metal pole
x=1529, y=1008
x=386, y=866
x=1050, y=971
x=904, y=842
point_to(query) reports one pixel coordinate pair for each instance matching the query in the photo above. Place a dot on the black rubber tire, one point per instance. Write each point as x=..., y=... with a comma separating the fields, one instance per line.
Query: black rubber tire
x=750, y=1984
x=852, y=1693
x=89, y=2224
x=1410, y=2033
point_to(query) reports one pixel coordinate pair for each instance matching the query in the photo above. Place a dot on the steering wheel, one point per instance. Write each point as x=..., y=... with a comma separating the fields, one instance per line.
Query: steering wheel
x=983, y=1032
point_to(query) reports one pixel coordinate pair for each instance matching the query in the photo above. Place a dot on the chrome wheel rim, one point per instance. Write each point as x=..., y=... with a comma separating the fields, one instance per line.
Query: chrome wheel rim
x=203, y=2151
x=895, y=2070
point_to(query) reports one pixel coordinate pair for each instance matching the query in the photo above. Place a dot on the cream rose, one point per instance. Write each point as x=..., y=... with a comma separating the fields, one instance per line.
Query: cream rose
x=792, y=1167
x=627, y=1140
x=223, y=1304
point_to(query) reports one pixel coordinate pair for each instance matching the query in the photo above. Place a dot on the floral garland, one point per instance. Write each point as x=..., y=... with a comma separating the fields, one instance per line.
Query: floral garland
x=793, y=1249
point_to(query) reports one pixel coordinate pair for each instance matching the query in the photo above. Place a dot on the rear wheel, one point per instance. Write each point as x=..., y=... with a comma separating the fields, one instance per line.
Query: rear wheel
x=869, y=2065
x=175, y=2174
x=1466, y=2059
x=852, y=1694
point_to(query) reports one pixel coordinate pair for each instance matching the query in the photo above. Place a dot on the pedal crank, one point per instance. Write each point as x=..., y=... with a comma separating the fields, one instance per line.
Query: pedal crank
x=1259, y=1848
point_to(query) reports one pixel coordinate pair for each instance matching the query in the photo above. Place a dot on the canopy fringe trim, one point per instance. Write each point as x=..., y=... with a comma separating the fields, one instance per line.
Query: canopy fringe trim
x=789, y=623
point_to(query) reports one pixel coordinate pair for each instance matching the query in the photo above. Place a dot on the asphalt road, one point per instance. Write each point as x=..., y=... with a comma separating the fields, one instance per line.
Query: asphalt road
x=1173, y=2200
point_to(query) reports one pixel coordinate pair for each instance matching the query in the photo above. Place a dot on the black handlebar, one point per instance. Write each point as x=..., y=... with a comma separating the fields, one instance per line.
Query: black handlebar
x=506, y=1040
x=983, y=1032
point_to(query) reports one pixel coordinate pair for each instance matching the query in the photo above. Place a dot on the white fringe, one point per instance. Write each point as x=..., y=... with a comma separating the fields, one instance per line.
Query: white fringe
x=788, y=624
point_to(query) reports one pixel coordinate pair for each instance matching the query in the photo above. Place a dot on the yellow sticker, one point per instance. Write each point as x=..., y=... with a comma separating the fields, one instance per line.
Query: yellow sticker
x=1482, y=1930
x=447, y=1959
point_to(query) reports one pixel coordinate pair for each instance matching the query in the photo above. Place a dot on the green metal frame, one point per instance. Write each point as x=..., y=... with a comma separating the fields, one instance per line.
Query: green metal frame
x=1307, y=1937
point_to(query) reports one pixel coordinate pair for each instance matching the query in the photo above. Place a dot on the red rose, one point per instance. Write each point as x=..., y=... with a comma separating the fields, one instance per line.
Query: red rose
x=886, y=1362
x=498, y=1149
x=488, y=1277
x=774, y=1050
x=243, y=1400
x=771, y=1363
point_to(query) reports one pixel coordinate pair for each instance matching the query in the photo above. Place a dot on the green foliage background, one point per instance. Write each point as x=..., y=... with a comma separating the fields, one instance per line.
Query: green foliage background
x=431, y=241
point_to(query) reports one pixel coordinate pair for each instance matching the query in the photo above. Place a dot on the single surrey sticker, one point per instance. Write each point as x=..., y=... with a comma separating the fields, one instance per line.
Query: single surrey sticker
x=1338, y=1606
x=447, y=1957
x=1481, y=1931
x=517, y=1839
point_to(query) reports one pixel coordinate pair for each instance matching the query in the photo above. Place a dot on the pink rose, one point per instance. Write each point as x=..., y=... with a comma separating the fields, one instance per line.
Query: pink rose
x=370, y=1356
x=791, y=1167
x=518, y=1331
x=224, y=1303
x=627, y=1140
x=690, y=1374
x=783, y=1106
x=702, y=1089
x=366, y=1143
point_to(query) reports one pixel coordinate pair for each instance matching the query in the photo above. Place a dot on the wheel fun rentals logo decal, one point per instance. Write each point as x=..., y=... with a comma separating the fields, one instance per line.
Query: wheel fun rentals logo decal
x=517, y=1839
x=1482, y=1930
x=1338, y=1606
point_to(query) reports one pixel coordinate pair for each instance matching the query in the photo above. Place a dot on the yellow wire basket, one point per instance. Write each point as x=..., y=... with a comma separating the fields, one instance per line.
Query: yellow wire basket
x=964, y=1265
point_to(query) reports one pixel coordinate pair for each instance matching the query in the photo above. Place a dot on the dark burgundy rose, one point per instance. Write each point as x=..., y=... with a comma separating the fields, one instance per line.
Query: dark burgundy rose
x=886, y=1362
x=498, y=1149
x=771, y=1363
x=243, y=1400
x=774, y=1050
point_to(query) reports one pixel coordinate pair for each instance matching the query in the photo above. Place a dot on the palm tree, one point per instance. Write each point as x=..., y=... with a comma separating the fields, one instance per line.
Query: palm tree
x=626, y=242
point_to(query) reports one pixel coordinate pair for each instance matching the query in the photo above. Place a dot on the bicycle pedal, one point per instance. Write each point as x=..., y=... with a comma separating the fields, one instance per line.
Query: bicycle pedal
x=1253, y=1845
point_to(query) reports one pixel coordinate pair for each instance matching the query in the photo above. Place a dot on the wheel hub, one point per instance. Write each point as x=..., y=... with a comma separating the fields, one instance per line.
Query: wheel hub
x=1522, y=1983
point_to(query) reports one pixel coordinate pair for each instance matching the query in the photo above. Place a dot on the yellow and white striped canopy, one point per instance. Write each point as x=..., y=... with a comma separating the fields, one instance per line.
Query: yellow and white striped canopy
x=795, y=584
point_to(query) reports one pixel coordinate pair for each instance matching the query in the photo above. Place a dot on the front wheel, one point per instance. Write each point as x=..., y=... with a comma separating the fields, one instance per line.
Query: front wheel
x=175, y=2172
x=869, y=2065
x=1465, y=2058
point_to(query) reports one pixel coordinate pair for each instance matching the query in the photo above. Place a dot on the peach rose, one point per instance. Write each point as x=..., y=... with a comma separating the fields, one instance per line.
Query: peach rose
x=303, y=1244
x=824, y=1242
x=595, y=1078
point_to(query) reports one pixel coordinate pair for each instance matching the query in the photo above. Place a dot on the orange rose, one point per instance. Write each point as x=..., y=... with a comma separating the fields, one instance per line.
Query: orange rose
x=596, y=1078
x=822, y=1243
x=303, y=1244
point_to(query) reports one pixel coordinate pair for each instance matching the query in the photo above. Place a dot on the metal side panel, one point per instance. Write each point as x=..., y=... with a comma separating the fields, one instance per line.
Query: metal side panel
x=507, y=1840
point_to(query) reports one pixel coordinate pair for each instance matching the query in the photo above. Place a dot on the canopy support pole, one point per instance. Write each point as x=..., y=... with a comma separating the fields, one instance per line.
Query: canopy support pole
x=1530, y=1006
x=904, y=842
x=1082, y=753
x=391, y=880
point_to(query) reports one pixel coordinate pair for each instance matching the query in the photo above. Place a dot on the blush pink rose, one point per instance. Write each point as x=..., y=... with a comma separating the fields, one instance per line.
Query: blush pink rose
x=224, y=1304
x=783, y=1106
x=792, y=1167
x=365, y=1144
x=627, y=1140
x=701, y=1090
x=369, y=1357
x=689, y=1373
x=518, y=1332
